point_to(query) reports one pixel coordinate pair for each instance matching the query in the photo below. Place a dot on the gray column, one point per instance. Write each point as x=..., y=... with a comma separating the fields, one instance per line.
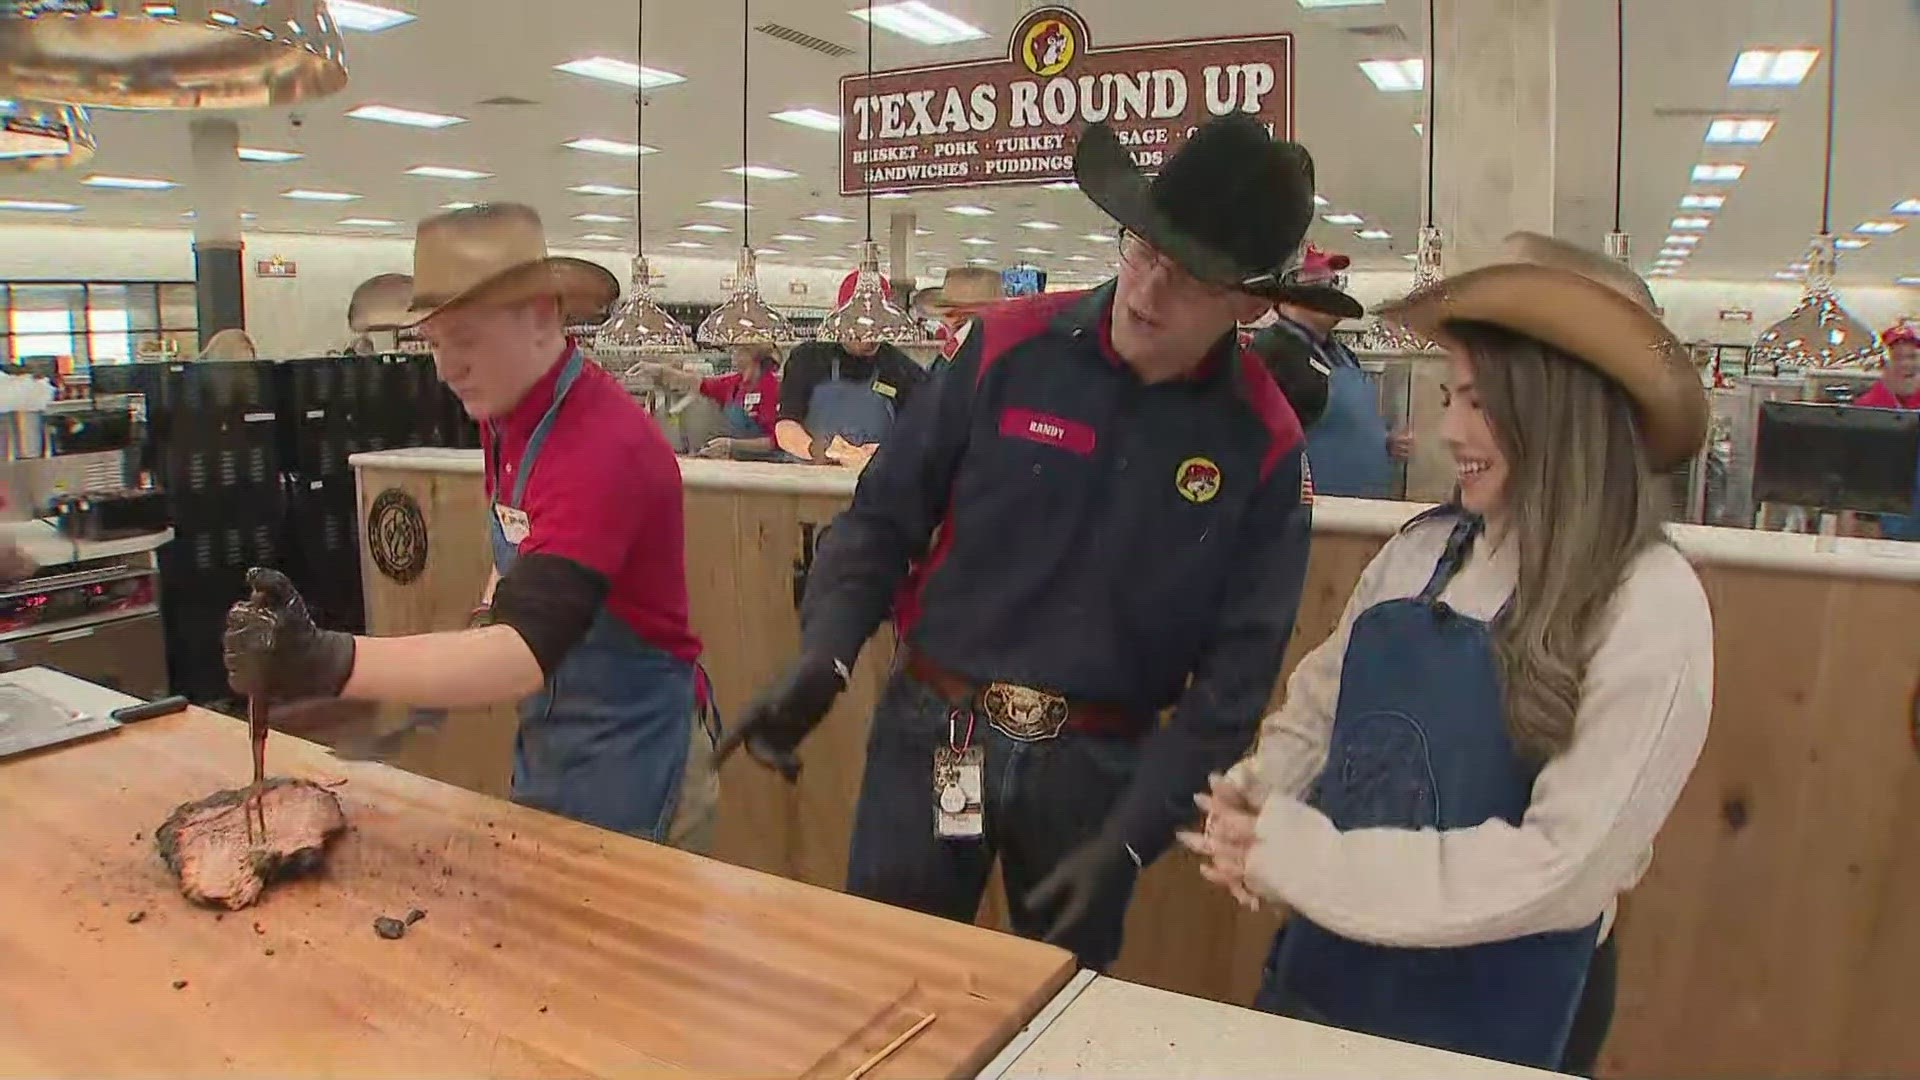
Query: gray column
x=218, y=269
x=900, y=226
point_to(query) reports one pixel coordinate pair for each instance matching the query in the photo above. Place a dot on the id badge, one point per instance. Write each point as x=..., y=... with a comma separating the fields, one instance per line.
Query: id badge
x=514, y=524
x=959, y=786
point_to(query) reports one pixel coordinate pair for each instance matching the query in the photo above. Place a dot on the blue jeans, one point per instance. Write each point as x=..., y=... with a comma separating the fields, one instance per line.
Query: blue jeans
x=1042, y=799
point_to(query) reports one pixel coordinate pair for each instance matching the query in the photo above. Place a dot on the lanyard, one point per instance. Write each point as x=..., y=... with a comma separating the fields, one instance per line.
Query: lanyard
x=568, y=373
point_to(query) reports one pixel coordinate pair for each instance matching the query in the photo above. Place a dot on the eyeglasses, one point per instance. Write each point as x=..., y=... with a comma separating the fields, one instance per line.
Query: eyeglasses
x=1142, y=256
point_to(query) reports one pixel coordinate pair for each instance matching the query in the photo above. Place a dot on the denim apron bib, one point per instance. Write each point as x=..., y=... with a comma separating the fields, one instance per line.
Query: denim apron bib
x=854, y=411
x=1420, y=742
x=1347, y=446
x=605, y=740
x=739, y=420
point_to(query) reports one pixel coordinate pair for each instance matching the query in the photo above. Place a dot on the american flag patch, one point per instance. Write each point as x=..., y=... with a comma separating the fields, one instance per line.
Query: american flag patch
x=1306, y=482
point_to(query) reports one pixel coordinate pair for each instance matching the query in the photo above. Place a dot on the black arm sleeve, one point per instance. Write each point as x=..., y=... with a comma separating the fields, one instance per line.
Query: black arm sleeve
x=901, y=497
x=551, y=601
x=805, y=367
x=1218, y=716
x=1301, y=373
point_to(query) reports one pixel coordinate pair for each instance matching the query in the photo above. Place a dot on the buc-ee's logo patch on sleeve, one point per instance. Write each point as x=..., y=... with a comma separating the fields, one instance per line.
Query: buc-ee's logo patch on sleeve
x=1197, y=480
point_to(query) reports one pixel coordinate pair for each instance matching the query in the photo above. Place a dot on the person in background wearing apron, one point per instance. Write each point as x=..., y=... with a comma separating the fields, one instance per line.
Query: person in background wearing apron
x=1348, y=445
x=1899, y=388
x=1472, y=768
x=748, y=396
x=830, y=390
x=584, y=621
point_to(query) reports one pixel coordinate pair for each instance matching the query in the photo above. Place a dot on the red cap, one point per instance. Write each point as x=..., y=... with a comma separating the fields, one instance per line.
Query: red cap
x=1902, y=332
x=1318, y=266
x=847, y=283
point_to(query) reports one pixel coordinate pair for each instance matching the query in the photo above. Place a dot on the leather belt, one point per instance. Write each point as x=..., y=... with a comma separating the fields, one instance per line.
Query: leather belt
x=1021, y=712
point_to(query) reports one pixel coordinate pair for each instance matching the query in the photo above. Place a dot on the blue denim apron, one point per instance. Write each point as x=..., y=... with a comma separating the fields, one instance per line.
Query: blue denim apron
x=854, y=411
x=739, y=419
x=605, y=740
x=1420, y=742
x=1347, y=446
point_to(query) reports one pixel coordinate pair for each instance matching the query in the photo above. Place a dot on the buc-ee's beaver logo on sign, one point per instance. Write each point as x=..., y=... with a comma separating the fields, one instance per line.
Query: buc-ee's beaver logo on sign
x=1048, y=47
x=397, y=535
x=1197, y=480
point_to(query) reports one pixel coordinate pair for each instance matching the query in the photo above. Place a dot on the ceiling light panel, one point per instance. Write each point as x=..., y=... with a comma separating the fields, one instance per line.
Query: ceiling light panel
x=270, y=157
x=705, y=227
x=1395, y=76
x=977, y=241
x=726, y=204
x=1313, y=4
x=620, y=72
x=612, y=147
x=388, y=114
x=1851, y=243
x=1702, y=202
x=599, y=219
x=458, y=205
x=1099, y=238
x=313, y=195
x=1033, y=251
x=1739, y=131
x=1695, y=223
x=1718, y=172
x=1061, y=185
x=883, y=196
x=37, y=206
x=1907, y=279
x=792, y=238
x=817, y=119
x=970, y=211
x=1039, y=226
x=365, y=18
x=763, y=172
x=603, y=189
x=1879, y=228
x=129, y=183
x=604, y=238
x=828, y=219
x=1374, y=234
x=688, y=244
x=1343, y=219
x=1908, y=207
x=447, y=172
x=369, y=222
x=919, y=22
x=1772, y=67
x=1680, y=240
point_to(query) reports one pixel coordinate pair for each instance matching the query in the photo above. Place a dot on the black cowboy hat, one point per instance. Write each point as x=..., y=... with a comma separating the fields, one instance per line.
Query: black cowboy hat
x=1229, y=207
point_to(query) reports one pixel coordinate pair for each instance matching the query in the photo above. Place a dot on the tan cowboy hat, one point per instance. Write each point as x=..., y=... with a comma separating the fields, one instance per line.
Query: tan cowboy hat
x=497, y=253
x=379, y=303
x=963, y=289
x=1585, y=305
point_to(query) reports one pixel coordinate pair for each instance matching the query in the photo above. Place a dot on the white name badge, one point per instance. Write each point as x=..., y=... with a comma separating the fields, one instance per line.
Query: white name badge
x=514, y=524
x=750, y=400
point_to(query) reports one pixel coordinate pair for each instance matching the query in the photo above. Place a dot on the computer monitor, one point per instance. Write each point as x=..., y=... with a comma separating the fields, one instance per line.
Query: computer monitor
x=1836, y=457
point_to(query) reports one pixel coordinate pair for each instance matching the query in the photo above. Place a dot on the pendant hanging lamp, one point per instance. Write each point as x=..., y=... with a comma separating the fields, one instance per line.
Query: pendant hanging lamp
x=745, y=319
x=181, y=54
x=1381, y=336
x=1819, y=333
x=38, y=135
x=1618, y=247
x=640, y=327
x=869, y=316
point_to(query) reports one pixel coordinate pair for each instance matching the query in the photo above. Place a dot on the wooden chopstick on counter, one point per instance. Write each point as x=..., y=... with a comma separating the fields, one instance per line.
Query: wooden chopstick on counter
x=886, y=1051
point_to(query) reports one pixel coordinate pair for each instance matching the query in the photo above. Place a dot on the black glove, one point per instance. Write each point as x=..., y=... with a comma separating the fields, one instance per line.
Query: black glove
x=273, y=650
x=785, y=713
x=1099, y=867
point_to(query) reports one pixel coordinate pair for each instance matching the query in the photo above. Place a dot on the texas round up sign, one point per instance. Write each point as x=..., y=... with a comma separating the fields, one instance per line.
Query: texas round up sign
x=1015, y=120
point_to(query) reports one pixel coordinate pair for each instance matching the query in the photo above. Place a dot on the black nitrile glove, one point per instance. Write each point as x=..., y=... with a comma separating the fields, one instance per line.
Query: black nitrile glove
x=773, y=726
x=273, y=650
x=1098, y=867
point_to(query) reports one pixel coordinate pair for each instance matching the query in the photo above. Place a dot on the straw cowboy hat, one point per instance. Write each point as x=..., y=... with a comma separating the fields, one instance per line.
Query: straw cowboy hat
x=1585, y=305
x=497, y=253
x=1315, y=285
x=963, y=289
x=379, y=303
x=1230, y=207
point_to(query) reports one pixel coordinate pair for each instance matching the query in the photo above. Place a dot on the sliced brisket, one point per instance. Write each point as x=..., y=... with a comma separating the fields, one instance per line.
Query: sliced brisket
x=206, y=843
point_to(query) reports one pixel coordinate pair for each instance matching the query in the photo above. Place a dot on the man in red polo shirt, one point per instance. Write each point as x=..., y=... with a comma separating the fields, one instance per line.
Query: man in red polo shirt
x=585, y=617
x=1899, y=388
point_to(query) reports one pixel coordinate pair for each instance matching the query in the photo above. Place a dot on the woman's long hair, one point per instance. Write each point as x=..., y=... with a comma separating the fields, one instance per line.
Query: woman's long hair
x=1581, y=505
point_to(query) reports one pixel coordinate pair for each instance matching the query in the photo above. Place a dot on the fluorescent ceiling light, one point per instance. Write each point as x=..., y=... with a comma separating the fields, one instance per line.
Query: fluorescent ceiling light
x=1033, y=251
x=1343, y=219
x=1061, y=185
x=1673, y=252
x=1311, y=4
x=828, y=219
x=1079, y=258
x=1099, y=238
x=458, y=205
x=763, y=172
x=1692, y=223
x=977, y=241
x=610, y=146
x=981, y=260
x=1879, y=228
x=447, y=172
x=388, y=114
x=1851, y=243
x=1702, y=202
x=310, y=195
x=1660, y=271
x=817, y=119
x=725, y=204
x=922, y=232
x=274, y=157
x=768, y=251
x=1374, y=234
x=366, y=18
x=1907, y=279
x=1718, y=173
x=920, y=22
x=970, y=211
x=599, y=219
x=190, y=215
x=602, y=189
x=687, y=244
x=792, y=238
x=1785, y=275
x=702, y=226
x=1321, y=200
x=1739, y=131
x=879, y=195
x=1039, y=226
x=129, y=183
x=1908, y=207
x=603, y=238
x=622, y=72
x=1395, y=76
x=1772, y=67
x=1681, y=240
x=369, y=222
x=1798, y=268
x=38, y=206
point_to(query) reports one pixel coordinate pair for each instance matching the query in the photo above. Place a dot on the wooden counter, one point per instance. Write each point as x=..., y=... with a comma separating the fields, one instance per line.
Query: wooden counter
x=549, y=948
x=1770, y=938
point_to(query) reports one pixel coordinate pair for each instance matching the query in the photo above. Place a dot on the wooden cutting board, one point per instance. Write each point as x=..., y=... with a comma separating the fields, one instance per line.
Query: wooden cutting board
x=549, y=948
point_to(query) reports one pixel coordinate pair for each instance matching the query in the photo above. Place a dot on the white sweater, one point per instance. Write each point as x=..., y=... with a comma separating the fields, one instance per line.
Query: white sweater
x=1586, y=836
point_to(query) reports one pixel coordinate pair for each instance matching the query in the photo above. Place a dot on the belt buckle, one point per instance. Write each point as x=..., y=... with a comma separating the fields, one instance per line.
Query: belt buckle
x=1023, y=713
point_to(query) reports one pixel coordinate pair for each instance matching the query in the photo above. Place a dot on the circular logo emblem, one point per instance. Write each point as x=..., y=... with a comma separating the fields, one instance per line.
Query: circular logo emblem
x=1048, y=47
x=1198, y=480
x=397, y=535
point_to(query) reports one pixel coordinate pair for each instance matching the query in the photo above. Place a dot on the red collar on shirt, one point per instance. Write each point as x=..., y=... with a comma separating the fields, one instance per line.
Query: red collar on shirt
x=520, y=420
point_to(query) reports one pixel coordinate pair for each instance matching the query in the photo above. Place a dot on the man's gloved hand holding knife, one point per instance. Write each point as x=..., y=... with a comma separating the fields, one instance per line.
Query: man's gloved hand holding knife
x=773, y=726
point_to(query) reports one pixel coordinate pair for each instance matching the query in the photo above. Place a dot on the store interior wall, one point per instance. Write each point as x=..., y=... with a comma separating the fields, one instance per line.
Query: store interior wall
x=306, y=315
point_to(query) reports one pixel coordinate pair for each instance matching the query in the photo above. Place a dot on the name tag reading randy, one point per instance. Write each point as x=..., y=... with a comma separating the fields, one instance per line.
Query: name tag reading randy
x=514, y=524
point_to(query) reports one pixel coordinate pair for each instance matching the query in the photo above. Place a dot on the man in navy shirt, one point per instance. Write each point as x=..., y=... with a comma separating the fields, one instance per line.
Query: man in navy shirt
x=1117, y=507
